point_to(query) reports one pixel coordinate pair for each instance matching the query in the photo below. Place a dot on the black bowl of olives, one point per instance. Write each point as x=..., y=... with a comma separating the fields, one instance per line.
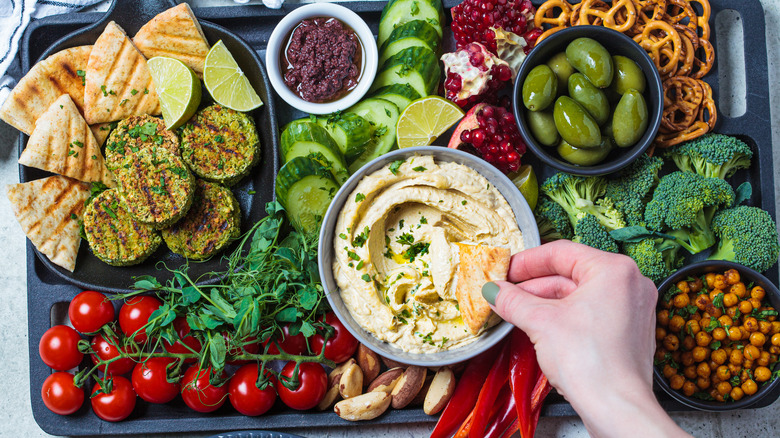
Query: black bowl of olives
x=588, y=100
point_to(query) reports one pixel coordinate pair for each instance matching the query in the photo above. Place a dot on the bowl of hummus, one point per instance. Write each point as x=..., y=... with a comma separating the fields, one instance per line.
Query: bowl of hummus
x=391, y=244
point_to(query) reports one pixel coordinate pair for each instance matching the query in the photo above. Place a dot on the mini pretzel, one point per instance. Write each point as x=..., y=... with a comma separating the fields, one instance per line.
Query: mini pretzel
x=702, y=67
x=708, y=110
x=647, y=11
x=690, y=44
x=549, y=32
x=694, y=131
x=620, y=17
x=682, y=98
x=678, y=11
x=656, y=36
x=703, y=19
x=546, y=14
x=593, y=20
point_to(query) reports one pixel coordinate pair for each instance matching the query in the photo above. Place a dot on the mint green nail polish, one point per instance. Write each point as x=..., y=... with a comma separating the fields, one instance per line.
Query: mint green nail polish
x=490, y=292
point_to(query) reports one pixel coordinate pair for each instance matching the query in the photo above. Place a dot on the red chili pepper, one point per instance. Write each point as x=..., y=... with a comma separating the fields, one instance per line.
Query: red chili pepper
x=505, y=414
x=496, y=380
x=466, y=394
x=541, y=389
x=523, y=374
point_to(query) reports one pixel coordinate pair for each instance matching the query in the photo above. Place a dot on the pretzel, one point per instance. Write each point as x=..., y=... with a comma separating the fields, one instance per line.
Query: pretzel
x=682, y=99
x=708, y=110
x=702, y=67
x=690, y=44
x=678, y=11
x=546, y=14
x=549, y=32
x=694, y=131
x=589, y=18
x=703, y=19
x=656, y=36
x=647, y=11
x=620, y=17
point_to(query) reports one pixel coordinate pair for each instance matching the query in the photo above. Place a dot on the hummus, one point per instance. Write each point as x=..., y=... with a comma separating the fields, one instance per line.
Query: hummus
x=396, y=257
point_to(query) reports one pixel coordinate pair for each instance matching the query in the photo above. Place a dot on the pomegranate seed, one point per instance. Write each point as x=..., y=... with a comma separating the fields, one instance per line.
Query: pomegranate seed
x=492, y=149
x=465, y=136
x=512, y=156
x=488, y=112
x=477, y=59
x=490, y=158
x=477, y=137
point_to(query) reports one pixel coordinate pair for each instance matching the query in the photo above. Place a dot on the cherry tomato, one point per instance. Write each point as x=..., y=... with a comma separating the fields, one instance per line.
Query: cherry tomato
x=244, y=394
x=59, y=348
x=135, y=313
x=117, y=404
x=290, y=344
x=60, y=395
x=150, y=380
x=88, y=311
x=180, y=347
x=313, y=384
x=105, y=351
x=198, y=393
x=341, y=346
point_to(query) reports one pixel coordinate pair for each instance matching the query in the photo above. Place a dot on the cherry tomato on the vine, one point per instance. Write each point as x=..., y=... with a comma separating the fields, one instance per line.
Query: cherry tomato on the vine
x=117, y=404
x=134, y=314
x=150, y=380
x=60, y=395
x=88, y=311
x=59, y=348
x=250, y=345
x=198, y=393
x=313, y=384
x=106, y=350
x=341, y=346
x=244, y=394
x=185, y=340
x=290, y=344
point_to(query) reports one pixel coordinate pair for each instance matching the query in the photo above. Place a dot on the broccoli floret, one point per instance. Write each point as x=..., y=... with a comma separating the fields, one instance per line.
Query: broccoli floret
x=552, y=220
x=712, y=155
x=683, y=205
x=656, y=257
x=589, y=231
x=748, y=236
x=577, y=195
x=631, y=190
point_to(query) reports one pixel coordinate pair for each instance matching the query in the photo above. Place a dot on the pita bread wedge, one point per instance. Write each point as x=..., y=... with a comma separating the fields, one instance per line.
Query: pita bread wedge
x=43, y=84
x=62, y=143
x=100, y=131
x=118, y=83
x=478, y=265
x=49, y=210
x=176, y=34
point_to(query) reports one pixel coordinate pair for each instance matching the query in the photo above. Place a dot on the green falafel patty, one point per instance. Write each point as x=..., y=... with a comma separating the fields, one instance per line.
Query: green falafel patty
x=135, y=133
x=155, y=186
x=114, y=236
x=211, y=224
x=220, y=145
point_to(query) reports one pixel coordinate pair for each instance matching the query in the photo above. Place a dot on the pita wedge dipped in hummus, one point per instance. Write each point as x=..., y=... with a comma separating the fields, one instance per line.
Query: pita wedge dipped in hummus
x=397, y=251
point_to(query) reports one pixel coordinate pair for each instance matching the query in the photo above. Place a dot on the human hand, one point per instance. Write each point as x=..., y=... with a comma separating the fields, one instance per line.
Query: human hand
x=591, y=317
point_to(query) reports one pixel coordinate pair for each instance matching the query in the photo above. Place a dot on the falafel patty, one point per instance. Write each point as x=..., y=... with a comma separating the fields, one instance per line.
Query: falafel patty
x=220, y=145
x=211, y=224
x=155, y=186
x=114, y=236
x=135, y=133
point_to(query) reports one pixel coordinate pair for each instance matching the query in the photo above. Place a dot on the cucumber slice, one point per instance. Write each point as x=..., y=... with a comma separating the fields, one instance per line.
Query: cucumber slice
x=416, y=33
x=305, y=189
x=398, y=12
x=400, y=94
x=350, y=132
x=383, y=114
x=416, y=66
x=301, y=138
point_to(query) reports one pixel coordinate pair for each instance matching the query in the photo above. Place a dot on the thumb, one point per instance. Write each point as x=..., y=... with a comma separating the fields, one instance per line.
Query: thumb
x=513, y=303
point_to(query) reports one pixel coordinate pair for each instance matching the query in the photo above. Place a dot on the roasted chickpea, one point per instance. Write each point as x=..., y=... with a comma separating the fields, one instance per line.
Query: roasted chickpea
x=774, y=349
x=692, y=327
x=723, y=372
x=701, y=353
x=683, y=287
x=725, y=320
x=745, y=333
x=723, y=388
x=744, y=375
x=749, y=387
x=709, y=278
x=719, y=282
x=738, y=290
x=714, y=311
x=747, y=364
x=703, y=369
x=719, y=356
x=762, y=374
x=676, y=381
x=703, y=339
x=686, y=358
x=714, y=293
x=775, y=327
x=719, y=334
x=689, y=388
x=751, y=352
x=776, y=339
x=676, y=323
x=732, y=311
x=758, y=339
x=736, y=357
x=731, y=276
x=755, y=302
x=772, y=358
x=703, y=382
x=696, y=285
x=669, y=371
x=716, y=395
x=763, y=359
x=681, y=300
x=751, y=324
x=671, y=342
x=714, y=379
x=736, y=393
x=734, y=333
x=675, y=355
x=662, y=317
x=730, y=299
x=745, y=307
x=660, y=333
x=704, y=323
x=758, y=293
x=702, y=301
x=695, y=317
x=660, y=354
x=690, y=372
x=735, y=369
x=688, y=343
x=764, y=327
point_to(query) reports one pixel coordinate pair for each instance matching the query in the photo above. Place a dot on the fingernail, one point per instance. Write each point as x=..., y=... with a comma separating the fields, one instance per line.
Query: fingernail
x=490, y=292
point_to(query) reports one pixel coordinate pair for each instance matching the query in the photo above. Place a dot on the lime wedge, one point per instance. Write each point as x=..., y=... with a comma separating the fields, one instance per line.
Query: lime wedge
x=178, y=89
x=425, y=119
x=227, y=84
x=526, y=182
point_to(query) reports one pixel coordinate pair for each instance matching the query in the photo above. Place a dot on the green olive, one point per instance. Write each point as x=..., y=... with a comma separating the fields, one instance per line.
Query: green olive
x=628, y=75
x=630, y=120
x=542, y=124
x=591, y=98
x=562, y=69
x=540, y=88
x=592, y=60
x=606, y=131
x=575, y=125
x=583, y=156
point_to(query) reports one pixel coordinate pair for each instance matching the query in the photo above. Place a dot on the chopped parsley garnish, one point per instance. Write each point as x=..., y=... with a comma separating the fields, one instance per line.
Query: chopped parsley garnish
x=133, y=92
x=464, y=202
x=427, y=338
x=405, y=239
x=343, y=236
x=401, y=223
x=423, y=220
x=160, y=190
x=123, y=102
x=72, y=152
x=109, y=210
x=419, y=169
x=361, y=238
x=219, y=139
x=77, y=143
x=182, y=172
x=395, y=165
x=103, y=89
x=73, y=216
x=359, y=265
x=146, y=91
x=353, y=255
x=359, y=197
x=366, y=278
x=83, y=76
x=417, y=249
x=94, y=157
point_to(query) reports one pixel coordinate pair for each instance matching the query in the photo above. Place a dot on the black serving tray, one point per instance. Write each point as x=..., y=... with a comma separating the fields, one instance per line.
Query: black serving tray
x=48, y=294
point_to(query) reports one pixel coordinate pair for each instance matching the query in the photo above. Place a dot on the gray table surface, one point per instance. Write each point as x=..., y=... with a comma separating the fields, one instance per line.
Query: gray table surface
x=16, y=418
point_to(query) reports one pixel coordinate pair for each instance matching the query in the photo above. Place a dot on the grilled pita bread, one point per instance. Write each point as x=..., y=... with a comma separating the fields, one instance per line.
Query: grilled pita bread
x=43, y=84
x=100, y=131
x=176, y=34
x=118, y=83
x=62, y=143
x=478, y=265
x=49, y=210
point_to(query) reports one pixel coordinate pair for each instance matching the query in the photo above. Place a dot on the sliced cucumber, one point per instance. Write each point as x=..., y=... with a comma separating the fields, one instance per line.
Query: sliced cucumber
x=400, y=94
x=416, y=33
x=383, y=115
x=398, y=12
x=305, y=189
x=302, y=138
x=416, y=66
x=350, y=132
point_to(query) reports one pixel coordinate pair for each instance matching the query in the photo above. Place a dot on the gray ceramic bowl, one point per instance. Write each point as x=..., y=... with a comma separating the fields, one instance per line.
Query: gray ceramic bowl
x=525, y=220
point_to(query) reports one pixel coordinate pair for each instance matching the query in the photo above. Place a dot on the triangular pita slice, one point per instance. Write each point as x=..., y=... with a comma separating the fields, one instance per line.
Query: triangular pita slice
x=176, y=34
x=119, y=84
x=62, y=143
x=49, y=211
x=478, y=264
x=60, y=73
x=100, y=131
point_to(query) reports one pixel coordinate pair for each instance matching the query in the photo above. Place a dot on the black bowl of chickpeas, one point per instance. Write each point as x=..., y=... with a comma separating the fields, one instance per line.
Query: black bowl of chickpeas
x=718, y=337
